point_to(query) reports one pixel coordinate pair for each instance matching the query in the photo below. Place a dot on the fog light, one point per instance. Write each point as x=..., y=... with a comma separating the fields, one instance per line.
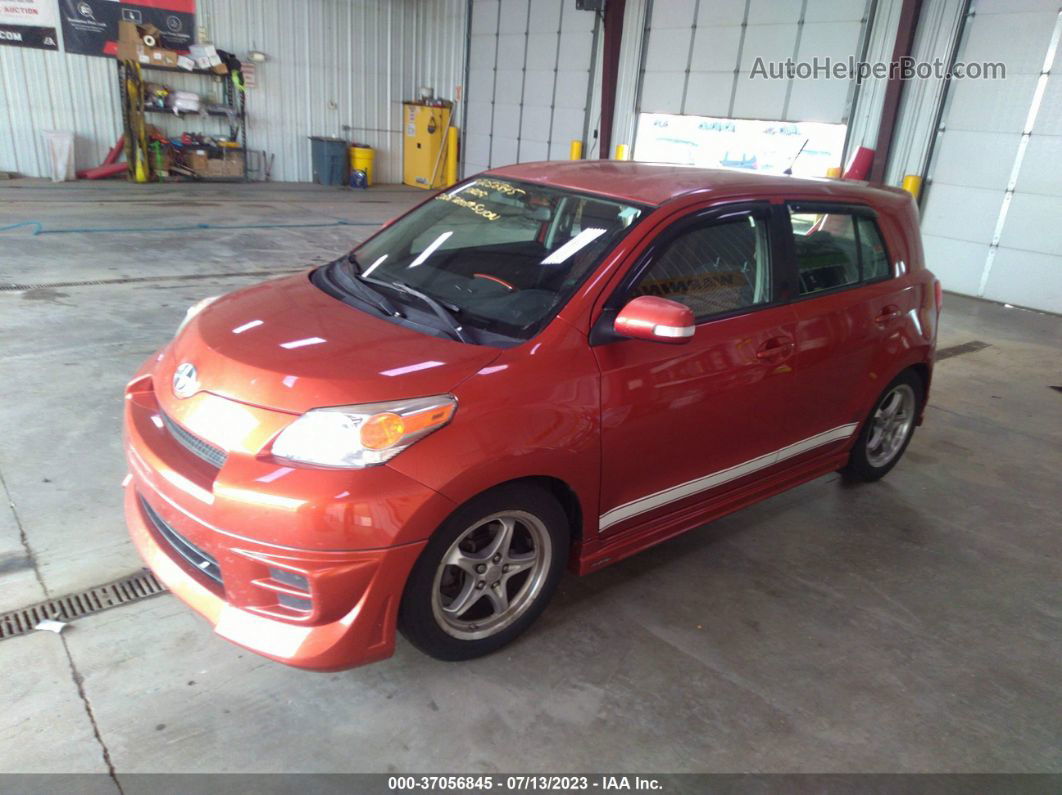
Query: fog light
x=290, y=578
x=294, y=602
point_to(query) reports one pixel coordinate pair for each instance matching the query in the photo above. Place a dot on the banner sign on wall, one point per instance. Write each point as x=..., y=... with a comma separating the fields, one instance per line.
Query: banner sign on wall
x=90, y=27
x=28, y=23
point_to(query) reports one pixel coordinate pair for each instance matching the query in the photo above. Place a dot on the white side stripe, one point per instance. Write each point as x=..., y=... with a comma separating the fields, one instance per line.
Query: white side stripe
x=683, y=490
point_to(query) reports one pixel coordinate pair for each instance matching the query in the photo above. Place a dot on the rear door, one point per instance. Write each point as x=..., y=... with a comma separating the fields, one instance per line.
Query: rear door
x=681, y=424
x=849, y=310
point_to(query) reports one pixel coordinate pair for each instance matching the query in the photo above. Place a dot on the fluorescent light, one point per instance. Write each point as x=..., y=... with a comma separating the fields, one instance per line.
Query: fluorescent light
x=302, y=343
x=247, y=326
x=430, y=249
x=276, y=473
x=584, y=238
x=375, y=265
x=410, y=368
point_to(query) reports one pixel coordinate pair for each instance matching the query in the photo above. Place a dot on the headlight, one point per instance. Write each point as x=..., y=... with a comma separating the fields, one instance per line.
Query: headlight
x=361, y=436
x=194, y=310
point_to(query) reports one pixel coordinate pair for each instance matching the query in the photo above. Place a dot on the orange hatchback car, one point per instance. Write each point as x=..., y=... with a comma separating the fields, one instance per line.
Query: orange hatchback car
x=548, y=365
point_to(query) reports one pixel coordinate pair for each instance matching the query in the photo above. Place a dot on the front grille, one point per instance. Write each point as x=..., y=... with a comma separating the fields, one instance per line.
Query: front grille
x=214, y=456
x=181, y=545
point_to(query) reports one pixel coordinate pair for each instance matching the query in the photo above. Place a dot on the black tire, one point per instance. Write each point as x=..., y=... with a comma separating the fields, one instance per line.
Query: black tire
x=422, y=616
x=865, y=461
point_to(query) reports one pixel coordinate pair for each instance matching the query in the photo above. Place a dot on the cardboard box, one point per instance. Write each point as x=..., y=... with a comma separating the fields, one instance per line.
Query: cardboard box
x=206, y=58
x=131, y=46
x=197, y=160
x=229, y=164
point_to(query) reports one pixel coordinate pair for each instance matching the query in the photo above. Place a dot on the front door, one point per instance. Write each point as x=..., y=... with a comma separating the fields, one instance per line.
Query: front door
x=681, y=424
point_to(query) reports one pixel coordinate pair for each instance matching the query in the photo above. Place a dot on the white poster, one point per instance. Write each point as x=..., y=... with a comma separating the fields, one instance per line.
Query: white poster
x=28, y=23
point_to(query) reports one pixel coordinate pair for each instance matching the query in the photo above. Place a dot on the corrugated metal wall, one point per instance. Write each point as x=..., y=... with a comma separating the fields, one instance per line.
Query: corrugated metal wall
x=440, y=37
x=868, y=98
x=335, y=68
x=939, y=25
x=41, y=90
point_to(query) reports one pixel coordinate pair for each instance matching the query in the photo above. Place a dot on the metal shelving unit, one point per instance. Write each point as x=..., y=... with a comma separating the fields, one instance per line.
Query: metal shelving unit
x=133, y=111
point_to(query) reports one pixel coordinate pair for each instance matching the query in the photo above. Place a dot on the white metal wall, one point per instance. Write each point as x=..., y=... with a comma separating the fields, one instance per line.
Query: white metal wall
x=939, y=26
x=531, y=67
x=994, y=200
x=332, y=64
x=699, y=55
x=868, y=98
x=441, y=36
x=43, y=90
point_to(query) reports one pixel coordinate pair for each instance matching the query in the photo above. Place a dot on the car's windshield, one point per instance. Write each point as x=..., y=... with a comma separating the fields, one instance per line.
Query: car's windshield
x=503, y=256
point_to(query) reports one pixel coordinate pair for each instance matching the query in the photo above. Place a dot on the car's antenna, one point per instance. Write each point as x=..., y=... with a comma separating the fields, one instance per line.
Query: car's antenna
x=789, y=171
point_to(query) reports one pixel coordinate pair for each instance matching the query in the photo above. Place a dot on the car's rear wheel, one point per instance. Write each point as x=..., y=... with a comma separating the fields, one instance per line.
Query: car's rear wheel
x=486, y=574
x=888, y=430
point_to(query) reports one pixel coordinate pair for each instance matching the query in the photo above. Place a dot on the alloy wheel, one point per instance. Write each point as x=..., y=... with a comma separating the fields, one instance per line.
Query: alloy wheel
x=890, y=425
x=491, y=575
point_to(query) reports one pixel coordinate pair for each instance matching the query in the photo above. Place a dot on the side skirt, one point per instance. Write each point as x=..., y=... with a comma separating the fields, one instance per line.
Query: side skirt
x=655, y=531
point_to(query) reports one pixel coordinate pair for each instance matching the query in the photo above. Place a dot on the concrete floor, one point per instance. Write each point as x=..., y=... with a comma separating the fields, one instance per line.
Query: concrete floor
x=910, y=625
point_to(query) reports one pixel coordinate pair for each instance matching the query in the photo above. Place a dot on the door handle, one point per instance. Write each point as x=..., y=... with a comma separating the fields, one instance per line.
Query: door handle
x=775, y=349
x=888, y=314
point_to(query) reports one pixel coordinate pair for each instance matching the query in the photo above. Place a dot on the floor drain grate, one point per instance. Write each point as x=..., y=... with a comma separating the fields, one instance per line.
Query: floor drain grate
x=133, y=588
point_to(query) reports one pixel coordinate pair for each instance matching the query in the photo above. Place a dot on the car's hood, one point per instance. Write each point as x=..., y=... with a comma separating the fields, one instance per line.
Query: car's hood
x=287, y=345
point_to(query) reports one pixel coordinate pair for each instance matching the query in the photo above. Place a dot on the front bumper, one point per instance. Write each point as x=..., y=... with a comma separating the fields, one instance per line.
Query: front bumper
x=306, y=568
x=364, y=634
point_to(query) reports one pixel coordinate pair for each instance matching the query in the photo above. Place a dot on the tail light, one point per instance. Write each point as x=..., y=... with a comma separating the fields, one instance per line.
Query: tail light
x=938, y=293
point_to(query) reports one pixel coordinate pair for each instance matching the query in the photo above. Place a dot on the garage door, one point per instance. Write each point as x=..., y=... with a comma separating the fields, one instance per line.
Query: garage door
x=990, y=217
x=699, y=57
x=531, y=69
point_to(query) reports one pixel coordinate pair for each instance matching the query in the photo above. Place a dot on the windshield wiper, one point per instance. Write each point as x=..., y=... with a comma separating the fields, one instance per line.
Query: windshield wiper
x=360, y=284
x=444, y=312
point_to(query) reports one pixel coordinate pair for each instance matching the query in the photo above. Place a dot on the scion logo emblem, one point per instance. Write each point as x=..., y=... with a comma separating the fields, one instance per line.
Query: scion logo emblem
x=185, y=380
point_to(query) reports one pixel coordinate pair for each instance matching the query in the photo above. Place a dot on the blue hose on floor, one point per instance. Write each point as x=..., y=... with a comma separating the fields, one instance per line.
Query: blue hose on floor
x=40, y=230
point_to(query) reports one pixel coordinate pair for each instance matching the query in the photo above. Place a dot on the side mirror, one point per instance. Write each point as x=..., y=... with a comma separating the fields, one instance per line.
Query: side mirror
x=656, y=319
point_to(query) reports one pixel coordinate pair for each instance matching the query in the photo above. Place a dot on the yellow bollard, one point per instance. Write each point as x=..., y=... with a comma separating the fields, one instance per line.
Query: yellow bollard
x=575, y=151
x=450, y=166
x=912, y=183
x=622, y=152
x=833, y=172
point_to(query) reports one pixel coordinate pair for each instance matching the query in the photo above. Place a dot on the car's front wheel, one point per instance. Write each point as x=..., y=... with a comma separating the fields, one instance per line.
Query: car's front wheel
x=486, y=574
x=888, y=430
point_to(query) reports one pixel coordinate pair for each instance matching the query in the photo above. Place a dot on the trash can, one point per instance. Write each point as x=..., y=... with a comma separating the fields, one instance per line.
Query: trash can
x=361, y=159
x=59, y=147
x=328, y=158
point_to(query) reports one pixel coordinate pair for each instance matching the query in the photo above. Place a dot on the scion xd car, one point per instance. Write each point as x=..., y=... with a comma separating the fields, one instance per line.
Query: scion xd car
x=549, y=365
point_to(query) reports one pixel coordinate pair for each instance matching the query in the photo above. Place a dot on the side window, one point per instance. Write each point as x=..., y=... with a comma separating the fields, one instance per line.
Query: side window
x=720, y=266
x=872, y=251
x=826, y=252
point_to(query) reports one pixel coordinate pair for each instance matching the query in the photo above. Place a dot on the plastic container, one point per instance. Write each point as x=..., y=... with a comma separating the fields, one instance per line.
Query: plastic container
x=361, y=159
x=59, y=147
x=328, y=158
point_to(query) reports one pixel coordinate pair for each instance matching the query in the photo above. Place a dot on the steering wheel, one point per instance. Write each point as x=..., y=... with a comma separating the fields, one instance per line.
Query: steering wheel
x=507, y=285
